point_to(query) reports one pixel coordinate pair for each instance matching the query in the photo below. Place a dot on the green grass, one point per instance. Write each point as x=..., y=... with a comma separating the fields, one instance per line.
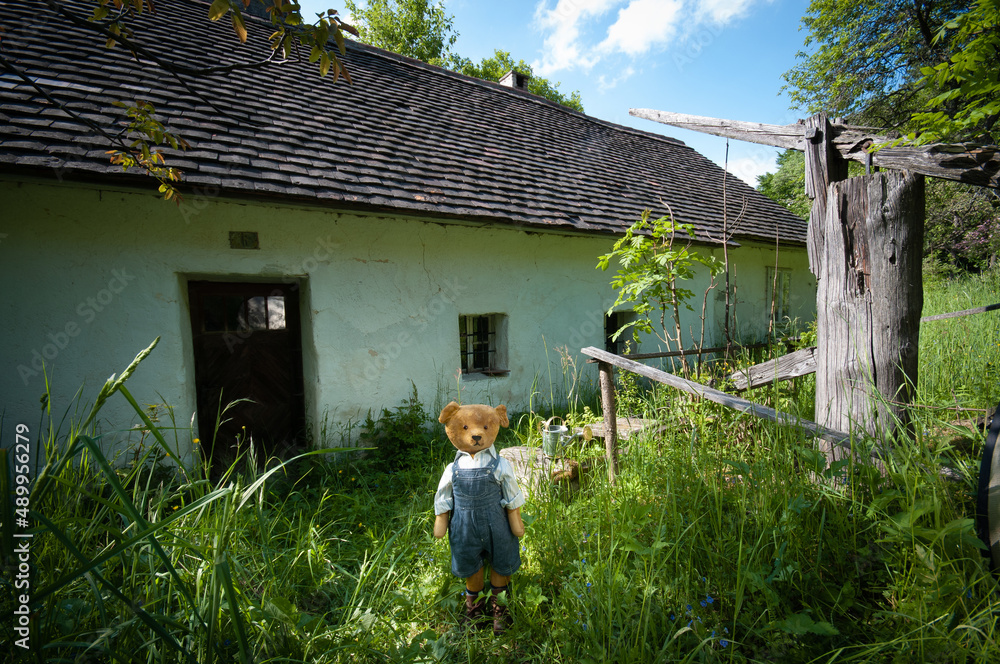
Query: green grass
x=724, y=539
x=960, y=357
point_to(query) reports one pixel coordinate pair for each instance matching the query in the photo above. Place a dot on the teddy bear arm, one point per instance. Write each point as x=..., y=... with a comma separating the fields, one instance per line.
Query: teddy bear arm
x=441, y=524
x=516, y=524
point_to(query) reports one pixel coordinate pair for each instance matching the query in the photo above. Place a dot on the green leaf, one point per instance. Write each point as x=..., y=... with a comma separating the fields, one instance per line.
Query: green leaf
x=802, y=623
x=218, y=9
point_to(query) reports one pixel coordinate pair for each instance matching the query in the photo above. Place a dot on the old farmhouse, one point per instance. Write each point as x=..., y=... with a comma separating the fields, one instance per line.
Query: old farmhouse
x=337, y=245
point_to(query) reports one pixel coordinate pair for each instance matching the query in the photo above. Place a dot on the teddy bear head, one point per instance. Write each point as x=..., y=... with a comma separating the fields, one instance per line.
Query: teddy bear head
x=473, y=428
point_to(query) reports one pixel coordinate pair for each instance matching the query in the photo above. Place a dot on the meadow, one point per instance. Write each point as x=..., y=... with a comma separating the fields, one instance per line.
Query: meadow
x=723, y=539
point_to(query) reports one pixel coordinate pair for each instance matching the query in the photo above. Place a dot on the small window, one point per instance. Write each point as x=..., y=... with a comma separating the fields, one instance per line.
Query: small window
x=614, y=322
x=779, y=294
x=238, y=313
x=483, y=344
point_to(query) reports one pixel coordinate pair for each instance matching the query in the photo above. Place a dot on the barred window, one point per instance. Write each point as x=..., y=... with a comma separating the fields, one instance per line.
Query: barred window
x=483, y=344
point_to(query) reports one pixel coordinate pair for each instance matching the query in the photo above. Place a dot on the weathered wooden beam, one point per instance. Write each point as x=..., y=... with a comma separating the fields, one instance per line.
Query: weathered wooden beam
x=837, y=439
x=964, y=312
x=800, y=363
x=781, y=136
x=963, y=162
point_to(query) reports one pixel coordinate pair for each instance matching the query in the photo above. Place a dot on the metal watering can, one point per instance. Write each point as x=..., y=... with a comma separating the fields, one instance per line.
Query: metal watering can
x=554, y=436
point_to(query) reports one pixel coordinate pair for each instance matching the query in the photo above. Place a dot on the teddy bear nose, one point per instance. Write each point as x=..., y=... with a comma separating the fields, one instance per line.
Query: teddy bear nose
x=477, y=438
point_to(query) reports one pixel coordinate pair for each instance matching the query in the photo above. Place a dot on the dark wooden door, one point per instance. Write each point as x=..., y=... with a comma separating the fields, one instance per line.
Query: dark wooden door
x=247, y=348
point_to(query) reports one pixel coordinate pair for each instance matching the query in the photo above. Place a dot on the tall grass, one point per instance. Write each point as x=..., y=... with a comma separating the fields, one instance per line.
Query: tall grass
x=960, y=357
x=724, y=539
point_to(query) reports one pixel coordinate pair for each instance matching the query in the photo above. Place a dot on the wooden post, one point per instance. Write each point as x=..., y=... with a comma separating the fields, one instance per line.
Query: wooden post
x=823, y=165
x=868, y=302
x=610, y=418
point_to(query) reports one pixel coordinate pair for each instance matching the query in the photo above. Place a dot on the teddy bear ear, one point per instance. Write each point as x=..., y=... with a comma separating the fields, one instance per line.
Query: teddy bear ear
x=502, y=412
x=448, y=412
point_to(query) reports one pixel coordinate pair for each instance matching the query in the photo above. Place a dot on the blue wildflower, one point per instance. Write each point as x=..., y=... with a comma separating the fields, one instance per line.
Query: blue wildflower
x=709, y=599
x=723, y=643
x=704, y=604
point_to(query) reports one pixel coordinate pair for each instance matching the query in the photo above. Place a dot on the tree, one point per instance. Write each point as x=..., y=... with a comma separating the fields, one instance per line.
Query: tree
x=967, y=105
x=787, y=185
x=493, y=68
x=422, y=30
x=654, y=257
x=414, y=28
x=113, y=21
x=868, y=56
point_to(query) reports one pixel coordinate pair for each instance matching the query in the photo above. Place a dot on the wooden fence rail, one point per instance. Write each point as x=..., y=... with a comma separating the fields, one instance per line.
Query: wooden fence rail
x=964, y=312
x=838, y=442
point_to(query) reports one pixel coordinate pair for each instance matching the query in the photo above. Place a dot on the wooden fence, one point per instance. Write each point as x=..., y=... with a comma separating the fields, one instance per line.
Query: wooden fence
x=838, y=442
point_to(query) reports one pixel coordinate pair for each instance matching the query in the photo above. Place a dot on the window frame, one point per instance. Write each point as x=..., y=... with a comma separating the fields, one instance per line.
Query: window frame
x=482, y=343
x=779, y=294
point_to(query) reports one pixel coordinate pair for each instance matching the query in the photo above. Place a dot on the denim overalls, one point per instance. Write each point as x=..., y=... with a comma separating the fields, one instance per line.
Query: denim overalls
x=479, y=529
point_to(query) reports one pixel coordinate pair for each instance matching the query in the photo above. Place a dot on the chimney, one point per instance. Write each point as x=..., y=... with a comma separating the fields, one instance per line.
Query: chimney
x=515, y=79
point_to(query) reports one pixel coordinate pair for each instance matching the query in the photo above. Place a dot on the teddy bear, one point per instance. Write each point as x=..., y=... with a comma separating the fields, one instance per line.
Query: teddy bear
x=478, y=503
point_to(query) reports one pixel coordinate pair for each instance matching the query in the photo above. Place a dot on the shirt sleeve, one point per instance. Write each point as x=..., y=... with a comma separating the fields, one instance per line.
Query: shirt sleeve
x=444, y=499
x=512, y=496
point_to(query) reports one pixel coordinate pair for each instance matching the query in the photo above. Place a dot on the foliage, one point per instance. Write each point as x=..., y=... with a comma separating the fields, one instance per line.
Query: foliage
x=968, y=102
x=867, y=55
x=962, y=225
x=400, y=436
x=501, y=62
x=652, y=264
x=415, y=28
x=960, y=357
x=148, y=131
x=787, y=185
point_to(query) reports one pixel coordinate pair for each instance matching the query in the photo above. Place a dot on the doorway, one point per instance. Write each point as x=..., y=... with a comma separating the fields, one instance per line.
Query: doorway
x=247, y=349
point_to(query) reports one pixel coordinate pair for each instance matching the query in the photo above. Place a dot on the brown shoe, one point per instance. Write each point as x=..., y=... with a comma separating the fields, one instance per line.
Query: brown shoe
x=498, y=607
x=475, y=611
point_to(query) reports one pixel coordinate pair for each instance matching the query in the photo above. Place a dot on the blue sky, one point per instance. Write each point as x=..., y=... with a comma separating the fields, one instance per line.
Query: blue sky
x=720, y=58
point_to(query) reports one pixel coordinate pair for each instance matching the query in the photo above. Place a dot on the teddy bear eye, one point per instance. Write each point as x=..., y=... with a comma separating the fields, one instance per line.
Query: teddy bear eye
x=485, y=427
x=466, y=426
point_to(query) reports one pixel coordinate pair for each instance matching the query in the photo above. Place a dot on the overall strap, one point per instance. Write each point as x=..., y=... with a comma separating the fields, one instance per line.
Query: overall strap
x=493, y=468
x=454, y=465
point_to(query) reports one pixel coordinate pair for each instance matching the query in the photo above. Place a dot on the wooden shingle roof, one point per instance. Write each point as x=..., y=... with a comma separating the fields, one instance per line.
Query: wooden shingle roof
x=406, y=137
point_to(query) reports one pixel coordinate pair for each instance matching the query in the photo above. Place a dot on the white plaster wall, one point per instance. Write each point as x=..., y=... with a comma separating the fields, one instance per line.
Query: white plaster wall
x=92, y=276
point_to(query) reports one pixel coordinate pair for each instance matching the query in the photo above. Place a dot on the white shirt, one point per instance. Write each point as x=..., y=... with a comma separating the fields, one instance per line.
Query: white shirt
x=512, y=498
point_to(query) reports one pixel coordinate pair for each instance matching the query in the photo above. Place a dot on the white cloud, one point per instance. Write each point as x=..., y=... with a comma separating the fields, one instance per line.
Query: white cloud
x=748, y=168
x=604, y=84
x=562, y=48
x=573, y=28
x=722, y=11
x=642, y=25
